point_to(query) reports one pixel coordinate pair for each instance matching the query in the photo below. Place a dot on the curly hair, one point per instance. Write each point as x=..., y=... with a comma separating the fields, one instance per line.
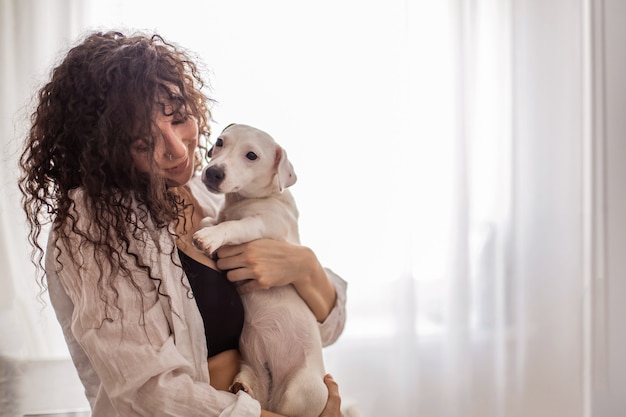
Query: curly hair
x=100, y=100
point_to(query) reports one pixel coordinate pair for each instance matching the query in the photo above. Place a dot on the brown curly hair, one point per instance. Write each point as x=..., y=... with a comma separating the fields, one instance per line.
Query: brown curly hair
x=100, y=100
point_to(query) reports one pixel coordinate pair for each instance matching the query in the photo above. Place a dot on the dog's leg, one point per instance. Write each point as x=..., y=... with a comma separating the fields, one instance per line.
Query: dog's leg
x=234, y=232
x=305, y=395
x=253, y=377
x=210, y=239
x=254, y=383
x=288, y=336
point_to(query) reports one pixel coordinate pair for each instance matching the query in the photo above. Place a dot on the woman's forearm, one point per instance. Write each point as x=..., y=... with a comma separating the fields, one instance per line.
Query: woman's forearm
x=314, y=286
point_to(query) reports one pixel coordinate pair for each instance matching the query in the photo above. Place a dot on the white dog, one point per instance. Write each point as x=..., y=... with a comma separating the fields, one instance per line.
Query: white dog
x=280, y=344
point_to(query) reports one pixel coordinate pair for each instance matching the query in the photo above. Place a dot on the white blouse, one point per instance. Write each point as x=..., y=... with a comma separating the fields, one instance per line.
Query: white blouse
x=149, y=358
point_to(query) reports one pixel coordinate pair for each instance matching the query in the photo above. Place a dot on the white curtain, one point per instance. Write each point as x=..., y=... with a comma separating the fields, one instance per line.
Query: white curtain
x=31, y=35
x=438, y=146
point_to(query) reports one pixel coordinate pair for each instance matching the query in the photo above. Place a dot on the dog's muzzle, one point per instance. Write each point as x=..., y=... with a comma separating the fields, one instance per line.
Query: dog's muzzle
x=213, y=176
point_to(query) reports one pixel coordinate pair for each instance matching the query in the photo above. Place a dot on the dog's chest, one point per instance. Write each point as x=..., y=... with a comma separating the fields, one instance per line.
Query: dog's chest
x=281, y=309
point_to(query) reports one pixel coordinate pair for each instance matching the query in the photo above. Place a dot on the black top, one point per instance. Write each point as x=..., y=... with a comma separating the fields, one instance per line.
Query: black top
x=219, y=304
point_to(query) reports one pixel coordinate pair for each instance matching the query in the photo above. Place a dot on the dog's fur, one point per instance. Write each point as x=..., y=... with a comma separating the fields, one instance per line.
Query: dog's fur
x=280, y=344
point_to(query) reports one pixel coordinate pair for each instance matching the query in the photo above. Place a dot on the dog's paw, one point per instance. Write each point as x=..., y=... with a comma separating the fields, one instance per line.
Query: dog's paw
x=206, y=222
x=208, y=240
x=241, y=386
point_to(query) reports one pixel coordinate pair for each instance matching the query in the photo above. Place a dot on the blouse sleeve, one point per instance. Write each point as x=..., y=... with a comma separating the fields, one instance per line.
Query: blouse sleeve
x=64, y=310
x=332, y=327
x=128, y=341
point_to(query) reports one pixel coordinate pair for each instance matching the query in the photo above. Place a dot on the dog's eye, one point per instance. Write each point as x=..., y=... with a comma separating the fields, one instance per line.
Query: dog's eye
x=251, y=156
x=219, y=142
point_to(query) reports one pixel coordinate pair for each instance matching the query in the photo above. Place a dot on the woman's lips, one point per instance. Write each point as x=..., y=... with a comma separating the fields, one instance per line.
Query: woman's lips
x=179, y=168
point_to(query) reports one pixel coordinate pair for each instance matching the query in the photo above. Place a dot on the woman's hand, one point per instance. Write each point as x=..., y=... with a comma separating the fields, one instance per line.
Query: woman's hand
x=333, y=406
x=267, y=263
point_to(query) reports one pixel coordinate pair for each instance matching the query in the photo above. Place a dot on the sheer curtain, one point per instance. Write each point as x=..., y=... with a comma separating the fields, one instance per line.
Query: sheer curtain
x=439, y=152
x=31, y=34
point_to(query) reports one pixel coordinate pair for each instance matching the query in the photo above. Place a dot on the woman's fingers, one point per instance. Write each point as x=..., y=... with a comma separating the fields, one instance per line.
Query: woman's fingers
x=333, y=406
x=244, y=287
x=270, y=262
x=230, y=257
x=230, y=250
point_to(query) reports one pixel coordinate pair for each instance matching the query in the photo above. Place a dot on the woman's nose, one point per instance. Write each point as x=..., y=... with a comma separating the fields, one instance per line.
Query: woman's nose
x=173, y=145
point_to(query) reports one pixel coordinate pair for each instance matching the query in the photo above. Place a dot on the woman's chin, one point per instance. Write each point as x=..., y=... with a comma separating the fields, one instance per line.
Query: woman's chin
x=178, y=180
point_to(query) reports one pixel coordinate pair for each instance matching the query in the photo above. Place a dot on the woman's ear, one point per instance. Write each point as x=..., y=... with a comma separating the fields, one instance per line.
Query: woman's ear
x=284, y=169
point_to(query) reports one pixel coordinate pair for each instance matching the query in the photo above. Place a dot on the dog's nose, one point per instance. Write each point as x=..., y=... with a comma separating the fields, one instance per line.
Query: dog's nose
x=213, y=176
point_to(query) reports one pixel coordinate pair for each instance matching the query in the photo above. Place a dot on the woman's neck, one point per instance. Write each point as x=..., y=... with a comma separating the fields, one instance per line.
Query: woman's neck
x=188, y=224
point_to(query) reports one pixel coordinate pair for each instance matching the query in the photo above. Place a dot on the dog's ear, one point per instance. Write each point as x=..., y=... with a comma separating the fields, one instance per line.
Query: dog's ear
x=284, y=169
x=209, y=154
x=232, y=124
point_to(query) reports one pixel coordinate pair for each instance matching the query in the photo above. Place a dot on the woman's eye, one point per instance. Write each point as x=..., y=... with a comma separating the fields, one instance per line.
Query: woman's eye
x=141, y=147
x=251, y=156
x=219, y=142
x=180, y=120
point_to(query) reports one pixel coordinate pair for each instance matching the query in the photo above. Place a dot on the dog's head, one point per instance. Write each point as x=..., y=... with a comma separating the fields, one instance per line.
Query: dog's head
x=247, y=161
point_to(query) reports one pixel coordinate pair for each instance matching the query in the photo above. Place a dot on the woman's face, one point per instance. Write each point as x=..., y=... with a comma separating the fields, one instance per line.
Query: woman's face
x=173, y=152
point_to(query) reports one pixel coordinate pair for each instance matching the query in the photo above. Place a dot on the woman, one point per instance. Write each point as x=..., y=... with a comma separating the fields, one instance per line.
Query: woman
x=110, y=162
